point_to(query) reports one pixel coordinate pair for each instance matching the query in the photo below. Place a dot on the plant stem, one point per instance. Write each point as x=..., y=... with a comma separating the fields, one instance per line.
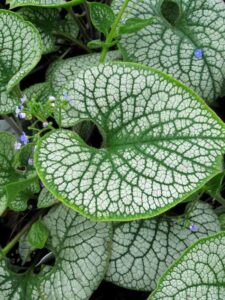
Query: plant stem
x=219, y=198
x=79, y=23
x=74, y=41
x=88, y=18
x=112, y=31
x=12, y=243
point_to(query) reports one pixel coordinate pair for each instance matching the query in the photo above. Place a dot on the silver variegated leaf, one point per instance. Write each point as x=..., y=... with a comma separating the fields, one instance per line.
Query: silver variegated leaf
x=186, y=40
x=81, y=249
x=160, y=144
x=199, y=273
x=20, y=51
x=143, y=250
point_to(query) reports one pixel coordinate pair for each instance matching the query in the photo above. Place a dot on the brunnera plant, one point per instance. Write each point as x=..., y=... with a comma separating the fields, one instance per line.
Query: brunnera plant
x=111, y=149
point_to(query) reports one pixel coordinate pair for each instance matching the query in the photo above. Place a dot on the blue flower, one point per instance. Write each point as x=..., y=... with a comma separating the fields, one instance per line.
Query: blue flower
x=30, y=161
x=23, y=99
x=68, y=98
x=198, y=53
x=17, y=145
x=22, y=115
x=192, y=227
x=24, y=138
x=18, y=111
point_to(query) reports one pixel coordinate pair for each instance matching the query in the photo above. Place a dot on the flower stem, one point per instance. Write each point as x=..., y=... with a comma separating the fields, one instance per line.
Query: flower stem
x=112, y=32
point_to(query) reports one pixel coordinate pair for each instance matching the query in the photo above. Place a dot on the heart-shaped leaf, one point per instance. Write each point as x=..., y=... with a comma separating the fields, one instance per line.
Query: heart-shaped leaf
x=160, y=144
x=49, y=23
x=20, y=51
x=38, y=235
x=102, y=16
x=199, y=273
x=186, y=40
x=43, y=3
x=60, y=72
x=81, y=249
x=142, y=250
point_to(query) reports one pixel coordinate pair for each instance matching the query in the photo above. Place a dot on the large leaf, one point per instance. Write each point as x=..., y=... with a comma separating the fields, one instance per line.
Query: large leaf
x=160, y=144
x=43, y=3
x=39, y=92
x=62, y=71
x=7, y=152
x=185, y=40
x=49, y=22
x=20, y=51
x=81, y=250
x=142, y=250
x=199, y=273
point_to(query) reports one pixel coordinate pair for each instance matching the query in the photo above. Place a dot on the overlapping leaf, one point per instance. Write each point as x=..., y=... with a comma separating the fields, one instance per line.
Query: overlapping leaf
x=60, y=72
x=43, y=3
x=38, y=92
x=143, y=250
x=15, y=187
x=160, y=144
x=81, y=250
x=46, y=199
x=184, y=40
x=49, y=23
x=20, y=51
x=199, y=273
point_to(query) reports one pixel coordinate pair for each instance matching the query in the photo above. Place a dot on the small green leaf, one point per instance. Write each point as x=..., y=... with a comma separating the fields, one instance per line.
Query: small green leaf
x=95, y=44
x=46, y=199
x=199, y=273
x=19, y=192
x=133, y=25
x=102, y=16
x=38, y=235
x=142, y=250
x=17, y=186
x=48, y=21
x=25, y=249
x=185, y=40
x=43, y=3
x=20, y=51
x=99, y=44
x=161, y=143
x=81, y=249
